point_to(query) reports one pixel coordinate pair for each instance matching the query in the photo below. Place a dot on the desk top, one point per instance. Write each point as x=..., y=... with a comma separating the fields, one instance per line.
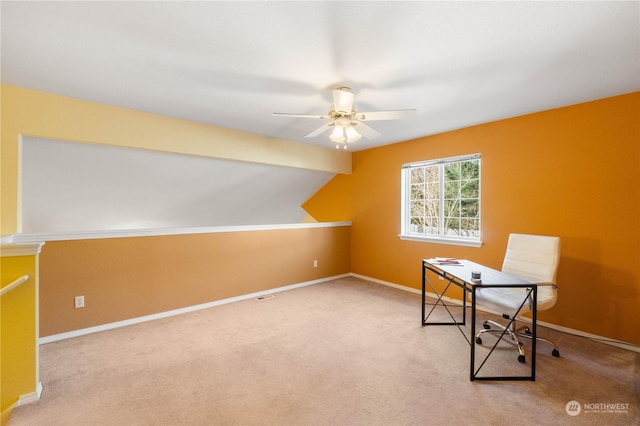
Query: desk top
x=489, y=276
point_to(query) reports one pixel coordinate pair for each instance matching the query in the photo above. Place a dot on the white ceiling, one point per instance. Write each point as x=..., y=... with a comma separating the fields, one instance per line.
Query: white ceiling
x=233, y=63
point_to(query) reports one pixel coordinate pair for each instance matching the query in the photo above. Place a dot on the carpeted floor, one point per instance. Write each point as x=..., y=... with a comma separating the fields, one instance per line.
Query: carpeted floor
x=346, y=352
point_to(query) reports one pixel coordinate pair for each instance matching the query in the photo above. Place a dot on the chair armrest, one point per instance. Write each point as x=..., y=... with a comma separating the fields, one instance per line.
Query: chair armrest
x=548, y=285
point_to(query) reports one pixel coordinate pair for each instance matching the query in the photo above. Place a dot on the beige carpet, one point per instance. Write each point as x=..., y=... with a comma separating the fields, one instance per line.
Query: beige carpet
x=346, y=352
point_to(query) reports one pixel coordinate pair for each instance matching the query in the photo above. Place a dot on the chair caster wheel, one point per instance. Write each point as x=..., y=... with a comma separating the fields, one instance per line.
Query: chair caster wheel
x=486, y=326
x=521, y=358
x=527, y=331
x=555, y=353
x=478, y=340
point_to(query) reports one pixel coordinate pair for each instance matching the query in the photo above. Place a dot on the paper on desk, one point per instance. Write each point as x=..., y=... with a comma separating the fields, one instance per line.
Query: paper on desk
x=444, y=261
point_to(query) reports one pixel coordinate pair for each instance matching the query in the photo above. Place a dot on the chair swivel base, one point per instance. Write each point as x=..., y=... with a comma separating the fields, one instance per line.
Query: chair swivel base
x=514, y=334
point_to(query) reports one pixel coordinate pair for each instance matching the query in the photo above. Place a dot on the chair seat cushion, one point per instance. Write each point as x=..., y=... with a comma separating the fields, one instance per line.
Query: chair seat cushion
x=508, y=300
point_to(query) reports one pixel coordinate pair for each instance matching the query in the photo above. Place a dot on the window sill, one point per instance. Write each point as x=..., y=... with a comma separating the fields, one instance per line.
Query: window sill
x=440, y=240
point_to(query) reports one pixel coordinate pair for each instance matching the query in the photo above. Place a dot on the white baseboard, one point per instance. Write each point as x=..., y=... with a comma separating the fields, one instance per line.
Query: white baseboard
x=608, y=341
x=388, y=284
x=31, y=397
x=124, y=323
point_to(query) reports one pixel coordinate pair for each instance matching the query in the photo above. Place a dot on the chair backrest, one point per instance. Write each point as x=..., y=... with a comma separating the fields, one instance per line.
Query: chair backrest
x=532, y=257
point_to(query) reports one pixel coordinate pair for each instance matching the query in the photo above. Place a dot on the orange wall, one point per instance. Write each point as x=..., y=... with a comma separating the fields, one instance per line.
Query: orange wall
x=571, y=172
x=124, y=278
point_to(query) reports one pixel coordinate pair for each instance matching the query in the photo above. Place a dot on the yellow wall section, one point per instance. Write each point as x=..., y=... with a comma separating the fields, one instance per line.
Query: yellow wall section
x=124, y=278
x=571, y=172
x=37, y=114
x=18, y=365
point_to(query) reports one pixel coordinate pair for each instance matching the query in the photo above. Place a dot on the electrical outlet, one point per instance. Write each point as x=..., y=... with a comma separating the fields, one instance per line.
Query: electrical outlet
x=315, y=263
x=79, y=302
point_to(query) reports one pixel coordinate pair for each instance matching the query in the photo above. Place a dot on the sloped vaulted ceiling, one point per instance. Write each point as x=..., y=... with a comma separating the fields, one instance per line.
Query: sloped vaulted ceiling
x=76, y=187
x=232, y=63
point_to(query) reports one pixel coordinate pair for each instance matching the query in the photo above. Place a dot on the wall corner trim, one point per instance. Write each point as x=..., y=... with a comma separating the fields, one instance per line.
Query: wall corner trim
x=31, y=397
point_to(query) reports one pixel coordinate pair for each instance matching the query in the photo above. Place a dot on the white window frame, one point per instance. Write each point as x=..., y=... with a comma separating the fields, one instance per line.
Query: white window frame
x=405, y=234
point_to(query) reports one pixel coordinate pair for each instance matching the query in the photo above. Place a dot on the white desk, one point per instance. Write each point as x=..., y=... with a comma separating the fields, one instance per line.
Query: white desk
x=460, y=275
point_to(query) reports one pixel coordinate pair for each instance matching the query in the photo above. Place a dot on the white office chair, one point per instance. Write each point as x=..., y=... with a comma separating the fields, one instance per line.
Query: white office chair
x=534, y=258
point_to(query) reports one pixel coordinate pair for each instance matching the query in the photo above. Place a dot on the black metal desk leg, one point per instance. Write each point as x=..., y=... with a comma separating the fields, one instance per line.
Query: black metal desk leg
x=534, y=318
x=472, y=374
x=464, y=306
x=423, y=294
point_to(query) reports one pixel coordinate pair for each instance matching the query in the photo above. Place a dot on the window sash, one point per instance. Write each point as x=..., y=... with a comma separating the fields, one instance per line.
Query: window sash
x=441, y=161
x=450, y=194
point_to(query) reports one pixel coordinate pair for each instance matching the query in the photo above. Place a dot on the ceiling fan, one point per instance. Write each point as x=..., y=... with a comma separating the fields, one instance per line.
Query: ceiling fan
x=346, y=122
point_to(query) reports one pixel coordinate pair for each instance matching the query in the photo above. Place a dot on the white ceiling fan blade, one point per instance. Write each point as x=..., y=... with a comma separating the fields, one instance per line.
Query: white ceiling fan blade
x=319, y=130
x=365, y=130
x=285, y=114
x=387, y=115
x=343, y=100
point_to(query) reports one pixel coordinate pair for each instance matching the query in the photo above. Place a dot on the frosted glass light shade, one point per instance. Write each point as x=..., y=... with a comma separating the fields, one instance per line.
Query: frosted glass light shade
x=338, y=134
x=352, y=134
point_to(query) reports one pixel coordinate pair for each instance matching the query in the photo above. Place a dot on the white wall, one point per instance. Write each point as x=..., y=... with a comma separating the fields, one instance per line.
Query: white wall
x=70, y=187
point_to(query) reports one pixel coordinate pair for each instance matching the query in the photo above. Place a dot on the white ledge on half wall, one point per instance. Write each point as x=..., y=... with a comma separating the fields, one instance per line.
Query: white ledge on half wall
x=122, y=233
x=8, y=249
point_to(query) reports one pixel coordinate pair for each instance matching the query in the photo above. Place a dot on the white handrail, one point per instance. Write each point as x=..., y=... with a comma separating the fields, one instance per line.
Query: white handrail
x=13, y=285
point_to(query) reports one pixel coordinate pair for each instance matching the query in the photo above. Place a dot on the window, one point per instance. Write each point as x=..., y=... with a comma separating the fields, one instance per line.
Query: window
x=441, y=200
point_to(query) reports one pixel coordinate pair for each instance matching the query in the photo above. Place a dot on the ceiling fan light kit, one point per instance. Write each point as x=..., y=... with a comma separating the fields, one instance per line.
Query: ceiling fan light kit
x=344, y=132
x=346, y=119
